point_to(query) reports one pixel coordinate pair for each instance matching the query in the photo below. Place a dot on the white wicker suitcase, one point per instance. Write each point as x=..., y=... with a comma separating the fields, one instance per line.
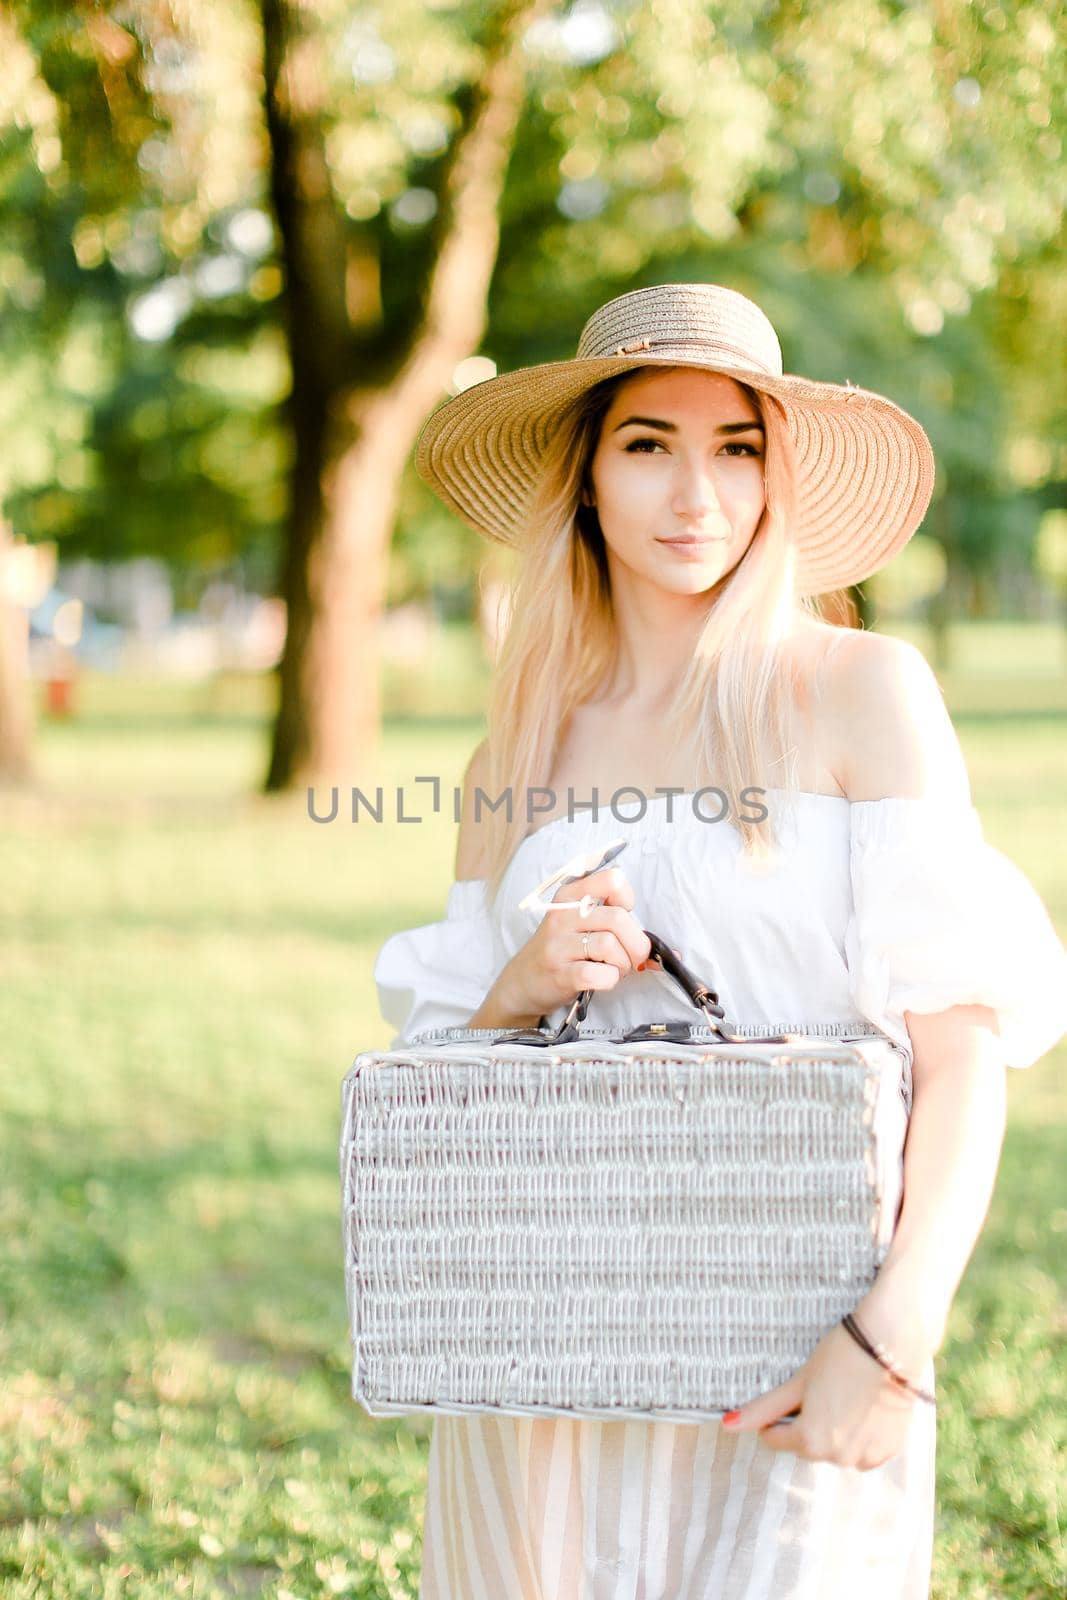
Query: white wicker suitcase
x=647, y=1230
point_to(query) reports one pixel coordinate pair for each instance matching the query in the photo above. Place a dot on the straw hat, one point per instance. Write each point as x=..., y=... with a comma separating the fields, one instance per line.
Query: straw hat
x=865, y=468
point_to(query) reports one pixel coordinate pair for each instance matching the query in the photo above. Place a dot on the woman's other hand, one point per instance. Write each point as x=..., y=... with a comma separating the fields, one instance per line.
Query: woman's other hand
x=850, y=1412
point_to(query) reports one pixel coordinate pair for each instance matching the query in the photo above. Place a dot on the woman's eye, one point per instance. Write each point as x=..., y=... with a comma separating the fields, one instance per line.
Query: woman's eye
x=636, y=447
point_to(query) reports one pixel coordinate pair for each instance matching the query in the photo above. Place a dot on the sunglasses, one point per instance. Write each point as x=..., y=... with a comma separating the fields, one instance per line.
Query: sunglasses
x=578, y=866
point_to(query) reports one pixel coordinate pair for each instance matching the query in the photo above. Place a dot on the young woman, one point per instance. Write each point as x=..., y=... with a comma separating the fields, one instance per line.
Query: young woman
x=798, y=821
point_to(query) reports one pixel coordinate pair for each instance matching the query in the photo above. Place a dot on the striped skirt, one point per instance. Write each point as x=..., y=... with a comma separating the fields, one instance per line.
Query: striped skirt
x=583, y=1509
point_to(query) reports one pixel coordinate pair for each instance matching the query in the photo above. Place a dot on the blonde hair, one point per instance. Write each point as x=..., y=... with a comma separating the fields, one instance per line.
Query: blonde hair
x=732, y=711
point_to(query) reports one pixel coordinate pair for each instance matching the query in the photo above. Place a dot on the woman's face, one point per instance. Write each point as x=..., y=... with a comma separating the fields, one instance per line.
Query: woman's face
x=679, y=457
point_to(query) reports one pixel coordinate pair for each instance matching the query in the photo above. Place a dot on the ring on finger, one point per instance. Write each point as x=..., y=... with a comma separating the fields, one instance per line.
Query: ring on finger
x=585, y=947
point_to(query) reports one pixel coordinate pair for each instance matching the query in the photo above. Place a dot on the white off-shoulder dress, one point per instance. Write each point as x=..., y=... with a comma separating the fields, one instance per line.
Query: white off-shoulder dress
x=872, y=908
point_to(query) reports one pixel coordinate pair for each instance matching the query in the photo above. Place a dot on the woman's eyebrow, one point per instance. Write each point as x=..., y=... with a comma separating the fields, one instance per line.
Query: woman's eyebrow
x=672, y=427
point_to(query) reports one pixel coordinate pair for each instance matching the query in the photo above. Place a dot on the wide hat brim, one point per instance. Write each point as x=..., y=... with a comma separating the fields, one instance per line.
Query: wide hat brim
x=864, y=467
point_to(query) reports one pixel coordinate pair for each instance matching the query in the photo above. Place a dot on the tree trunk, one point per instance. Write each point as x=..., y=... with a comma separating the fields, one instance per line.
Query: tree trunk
x=15, y=712
x=329, y=711
x=357, y=402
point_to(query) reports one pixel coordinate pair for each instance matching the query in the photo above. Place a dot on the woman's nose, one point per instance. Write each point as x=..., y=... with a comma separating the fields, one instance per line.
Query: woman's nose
x=694, y=490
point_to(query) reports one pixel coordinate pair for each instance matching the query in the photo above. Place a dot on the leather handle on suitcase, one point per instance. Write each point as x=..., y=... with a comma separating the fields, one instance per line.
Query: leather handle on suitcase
x=701, y=994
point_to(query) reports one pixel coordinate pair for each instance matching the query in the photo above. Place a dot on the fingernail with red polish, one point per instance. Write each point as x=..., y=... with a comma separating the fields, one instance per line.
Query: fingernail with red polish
x=731, y=1416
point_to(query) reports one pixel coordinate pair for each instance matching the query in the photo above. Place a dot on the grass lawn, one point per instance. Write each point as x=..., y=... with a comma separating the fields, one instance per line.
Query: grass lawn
x=187, y=976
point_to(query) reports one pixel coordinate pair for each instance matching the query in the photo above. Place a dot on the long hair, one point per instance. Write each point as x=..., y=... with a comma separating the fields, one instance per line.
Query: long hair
x=731, y=714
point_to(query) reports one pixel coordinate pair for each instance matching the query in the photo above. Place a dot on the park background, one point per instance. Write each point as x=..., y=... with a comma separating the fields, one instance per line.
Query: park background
x=245, y=248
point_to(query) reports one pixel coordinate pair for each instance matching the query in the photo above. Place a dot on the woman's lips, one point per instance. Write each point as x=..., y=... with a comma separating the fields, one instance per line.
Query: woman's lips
x=692, y=546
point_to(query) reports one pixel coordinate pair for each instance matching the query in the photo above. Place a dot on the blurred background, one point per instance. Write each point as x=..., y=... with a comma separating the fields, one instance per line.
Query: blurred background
x=245, y=247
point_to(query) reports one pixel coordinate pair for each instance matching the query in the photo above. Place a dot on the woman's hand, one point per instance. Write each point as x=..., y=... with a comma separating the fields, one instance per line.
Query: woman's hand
x=850, y=1410
x=551, y=968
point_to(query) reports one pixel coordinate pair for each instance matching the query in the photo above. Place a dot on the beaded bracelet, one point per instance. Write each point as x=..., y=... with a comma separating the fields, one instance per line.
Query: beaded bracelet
x=880, y=1355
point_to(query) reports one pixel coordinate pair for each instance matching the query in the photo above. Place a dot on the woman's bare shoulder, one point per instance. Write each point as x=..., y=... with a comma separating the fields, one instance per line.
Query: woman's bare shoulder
x=893, y=732
x=858, y=662
x=817, y=636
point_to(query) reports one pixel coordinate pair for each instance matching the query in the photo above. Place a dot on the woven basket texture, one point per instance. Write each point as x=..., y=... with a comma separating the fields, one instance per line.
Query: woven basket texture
x=639, y=1230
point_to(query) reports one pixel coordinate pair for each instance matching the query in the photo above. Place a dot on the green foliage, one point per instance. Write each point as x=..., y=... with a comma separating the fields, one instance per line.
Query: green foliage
x=887, y=180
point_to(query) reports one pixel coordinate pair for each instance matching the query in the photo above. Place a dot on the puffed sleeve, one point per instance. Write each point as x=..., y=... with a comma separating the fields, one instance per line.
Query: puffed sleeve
x=942, y=918
x=438, y=974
